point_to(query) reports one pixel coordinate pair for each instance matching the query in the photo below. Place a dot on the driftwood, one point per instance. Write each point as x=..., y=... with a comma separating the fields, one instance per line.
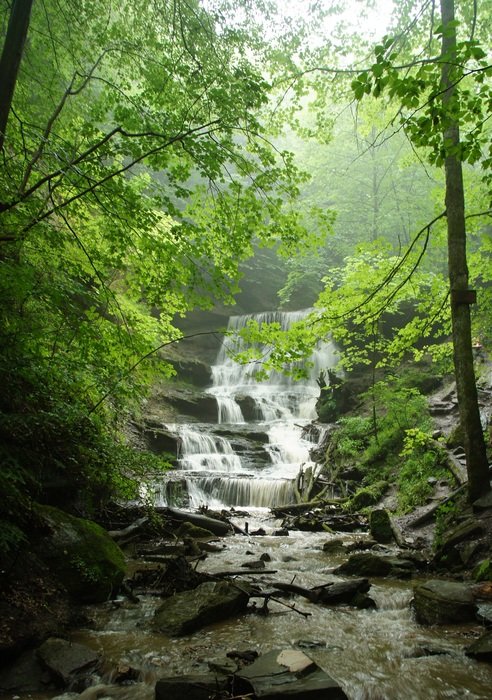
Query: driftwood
x=429, y=514
x=330, y=593
x=129, y=531
x=217, y=527
x=292, y=508
x=243, y=572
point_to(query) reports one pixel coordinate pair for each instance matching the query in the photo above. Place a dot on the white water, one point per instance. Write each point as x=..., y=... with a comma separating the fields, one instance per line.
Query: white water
x=216, y=473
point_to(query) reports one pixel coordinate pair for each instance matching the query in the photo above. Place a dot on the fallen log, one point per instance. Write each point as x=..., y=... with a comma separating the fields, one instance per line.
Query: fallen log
x=129, y=531
x=429, y=514
x=217, y=527
x=292, y=508
x=330, y=593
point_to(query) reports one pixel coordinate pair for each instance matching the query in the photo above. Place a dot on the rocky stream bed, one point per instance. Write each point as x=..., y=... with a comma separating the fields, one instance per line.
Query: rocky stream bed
x=272, y=612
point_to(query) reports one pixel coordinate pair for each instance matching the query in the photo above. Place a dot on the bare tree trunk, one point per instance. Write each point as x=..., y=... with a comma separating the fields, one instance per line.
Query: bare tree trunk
x=476, y=458
x=13, y=49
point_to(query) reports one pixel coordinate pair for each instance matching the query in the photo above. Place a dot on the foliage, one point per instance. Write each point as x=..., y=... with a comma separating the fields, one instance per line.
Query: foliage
x=445, y=515
x=348, y=442
x=422, y=463
x=367, y=496
x=137, y=174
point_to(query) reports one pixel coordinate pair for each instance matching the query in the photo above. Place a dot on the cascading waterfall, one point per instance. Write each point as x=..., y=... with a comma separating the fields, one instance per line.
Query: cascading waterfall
x=220, y=473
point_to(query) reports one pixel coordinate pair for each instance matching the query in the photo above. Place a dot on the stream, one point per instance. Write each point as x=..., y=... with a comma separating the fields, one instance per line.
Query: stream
x=247, y=459
x=373, y=654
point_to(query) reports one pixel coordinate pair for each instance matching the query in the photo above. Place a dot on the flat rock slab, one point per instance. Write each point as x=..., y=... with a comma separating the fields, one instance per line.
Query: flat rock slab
x=369, y=564
x=193, y=687
x=66, y=660
x=191, y=610
x=439, y=602
x=289, y=674
x=481, y=649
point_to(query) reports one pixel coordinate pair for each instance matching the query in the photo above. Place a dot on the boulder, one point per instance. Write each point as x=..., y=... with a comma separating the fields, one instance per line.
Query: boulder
x=287, y=673
x=190, y=610
x=66, y=661
x=440, y=602
x=369, y=564
x=453, y=549
x=193, y=687
x=380, y=526
x=481, y=649
x=86, y=560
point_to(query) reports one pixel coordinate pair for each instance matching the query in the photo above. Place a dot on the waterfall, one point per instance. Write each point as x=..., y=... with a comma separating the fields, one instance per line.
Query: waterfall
x=218, y=472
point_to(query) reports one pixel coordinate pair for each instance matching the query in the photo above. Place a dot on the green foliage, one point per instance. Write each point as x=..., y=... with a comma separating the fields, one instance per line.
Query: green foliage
x=350, y=440
x=483, y=572
x=445, y=515
x=138, y=173
x=367, y=496
x=396, y=410
x=422, y=460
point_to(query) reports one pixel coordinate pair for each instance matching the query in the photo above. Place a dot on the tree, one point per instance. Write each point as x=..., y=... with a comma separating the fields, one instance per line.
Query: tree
x=435, y=96
x=137, y=173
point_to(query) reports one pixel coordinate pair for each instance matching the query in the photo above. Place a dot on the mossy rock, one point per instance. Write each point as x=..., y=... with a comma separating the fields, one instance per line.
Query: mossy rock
x=86, y=560
x=187, y=529
x=380, y=526
x=368, y=495
x=483, y=572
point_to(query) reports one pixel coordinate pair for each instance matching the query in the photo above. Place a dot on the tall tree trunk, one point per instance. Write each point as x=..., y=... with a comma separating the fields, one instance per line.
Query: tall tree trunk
x=474, y=443
x=13, y=49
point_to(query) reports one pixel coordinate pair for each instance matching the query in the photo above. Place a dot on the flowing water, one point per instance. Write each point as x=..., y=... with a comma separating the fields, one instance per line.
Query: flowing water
x=249, y=459
x=251, y=455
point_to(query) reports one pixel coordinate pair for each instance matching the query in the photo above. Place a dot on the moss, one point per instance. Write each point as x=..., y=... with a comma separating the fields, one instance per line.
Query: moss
x=483, y=572
x=367, y=496
x=86, y=560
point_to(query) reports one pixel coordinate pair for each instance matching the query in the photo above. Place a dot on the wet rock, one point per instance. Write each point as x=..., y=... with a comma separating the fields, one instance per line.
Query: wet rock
x=380, y=526
x=67, y=661
x=283, y=532
x=287, y=673
x=193, y=687
x=369, y=564
x=24, y=675
x=342, y=591
x=439, y=602
x=481, y=649
x=190, y=610
x=259, y=564
x=314, y=521
x=336, y=545
x=187, y=529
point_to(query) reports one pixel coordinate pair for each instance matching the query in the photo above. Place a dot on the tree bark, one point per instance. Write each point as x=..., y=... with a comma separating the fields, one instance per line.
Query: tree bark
x=474, y=443
x=13, y=49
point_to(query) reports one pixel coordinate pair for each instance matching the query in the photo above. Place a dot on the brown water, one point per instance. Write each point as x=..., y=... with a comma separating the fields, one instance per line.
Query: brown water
x=374, y=654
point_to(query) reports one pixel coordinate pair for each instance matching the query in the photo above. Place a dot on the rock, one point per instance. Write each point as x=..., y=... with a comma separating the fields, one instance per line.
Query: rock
x=336, y=545
x=484, y=502
x=287, y=673
x=483, y=571
x=24, y=675
x=380, y=526
x=343, y=591
x=190, y=610
x=439, y=602
x=67, y=660
x=481, y=649
x=193, y=687
x=456, y=547
x=86, y=560
x=187, y=529
x=369, y=564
